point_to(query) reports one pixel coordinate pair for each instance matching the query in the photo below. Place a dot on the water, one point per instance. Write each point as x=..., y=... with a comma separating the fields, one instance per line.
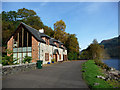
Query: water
x=115, y=63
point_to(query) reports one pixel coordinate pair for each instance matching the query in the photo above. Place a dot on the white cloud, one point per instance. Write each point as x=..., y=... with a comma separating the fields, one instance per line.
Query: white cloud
x=93, y=7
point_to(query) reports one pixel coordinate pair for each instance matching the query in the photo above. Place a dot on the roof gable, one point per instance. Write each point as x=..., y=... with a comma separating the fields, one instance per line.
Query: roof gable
x=34, y=32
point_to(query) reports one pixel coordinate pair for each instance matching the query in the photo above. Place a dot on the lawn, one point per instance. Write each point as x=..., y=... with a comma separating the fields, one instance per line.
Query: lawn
x=90, y=71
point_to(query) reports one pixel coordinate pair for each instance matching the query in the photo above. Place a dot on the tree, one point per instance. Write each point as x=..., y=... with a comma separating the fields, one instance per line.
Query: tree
x=30, y=17
x=95, y=41
x=25, y=13
x=70, y=56
x=72, y=46
x=48, y=31
x=60, y=25
x=84, y=55
x=59, y=29
x=34, y=21
x=72, y=43
x=94, y=51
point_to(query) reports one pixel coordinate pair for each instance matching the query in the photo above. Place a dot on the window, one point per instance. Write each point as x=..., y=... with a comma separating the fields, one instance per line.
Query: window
x=15, y=55
x=60, y=56
x=15, y=38
x=20, y=38
x=29, y=40
x=46, y=56
x=25, y=39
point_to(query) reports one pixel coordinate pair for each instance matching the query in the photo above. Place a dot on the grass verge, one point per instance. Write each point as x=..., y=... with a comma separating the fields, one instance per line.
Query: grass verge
x=90, y=71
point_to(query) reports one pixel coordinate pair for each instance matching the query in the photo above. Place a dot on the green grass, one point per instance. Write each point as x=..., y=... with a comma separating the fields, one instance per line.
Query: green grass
x=91, y=71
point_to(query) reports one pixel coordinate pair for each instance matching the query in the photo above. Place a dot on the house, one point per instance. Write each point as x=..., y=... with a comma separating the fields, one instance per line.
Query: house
x=36, y=44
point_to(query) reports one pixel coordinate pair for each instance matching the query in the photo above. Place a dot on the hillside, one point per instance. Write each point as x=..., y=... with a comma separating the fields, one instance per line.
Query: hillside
x=112, y=46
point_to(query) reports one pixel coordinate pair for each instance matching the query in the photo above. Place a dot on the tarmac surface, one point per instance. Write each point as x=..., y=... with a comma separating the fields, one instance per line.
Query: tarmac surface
x=59, y=75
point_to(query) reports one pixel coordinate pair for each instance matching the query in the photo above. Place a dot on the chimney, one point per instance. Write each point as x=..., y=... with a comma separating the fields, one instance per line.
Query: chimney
x=41, y=30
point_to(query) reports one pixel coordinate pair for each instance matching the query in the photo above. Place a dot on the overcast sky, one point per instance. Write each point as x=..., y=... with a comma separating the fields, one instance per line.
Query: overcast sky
x=88, y=20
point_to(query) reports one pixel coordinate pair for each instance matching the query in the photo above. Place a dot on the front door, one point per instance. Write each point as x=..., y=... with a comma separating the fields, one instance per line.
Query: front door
x=56, y=57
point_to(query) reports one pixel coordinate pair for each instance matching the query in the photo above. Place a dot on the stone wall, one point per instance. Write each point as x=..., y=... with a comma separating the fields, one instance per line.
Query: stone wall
x=11, y=69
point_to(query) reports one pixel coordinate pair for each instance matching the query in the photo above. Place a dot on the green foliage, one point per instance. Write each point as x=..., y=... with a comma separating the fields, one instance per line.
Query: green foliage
x=34, y=21
x=48, y=31
x=9, y=60
x=59, y=25
x=101, y=64
x=91, y=70
x=53, y=60
x=27, y=59
x=0, y=59
x=72, y=46
x=25, y=13
x=94, y=51
x=70, y=56
x=9, y=51
x=84, y=55
x=75, y=56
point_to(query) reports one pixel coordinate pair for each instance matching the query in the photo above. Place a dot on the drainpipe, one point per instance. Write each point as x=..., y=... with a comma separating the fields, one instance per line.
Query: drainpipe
x=52, y=51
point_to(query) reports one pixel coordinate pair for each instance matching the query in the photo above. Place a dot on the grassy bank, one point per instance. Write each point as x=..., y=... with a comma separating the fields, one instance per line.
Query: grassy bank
x=90, y=71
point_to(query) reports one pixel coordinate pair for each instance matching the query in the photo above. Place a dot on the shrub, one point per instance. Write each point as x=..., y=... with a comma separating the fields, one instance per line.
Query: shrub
x=101, y=64
x=53, y=60
x=27, y=59
x=9, y=60
x=70, y=56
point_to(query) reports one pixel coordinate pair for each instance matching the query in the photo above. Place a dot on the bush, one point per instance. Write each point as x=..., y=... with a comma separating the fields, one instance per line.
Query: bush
x=70, y=56
x=101, y=64
x=8, y=60
x=27, y=59
x=53, y=60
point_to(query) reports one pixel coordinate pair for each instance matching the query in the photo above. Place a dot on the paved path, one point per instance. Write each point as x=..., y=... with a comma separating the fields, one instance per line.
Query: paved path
x=61, y=75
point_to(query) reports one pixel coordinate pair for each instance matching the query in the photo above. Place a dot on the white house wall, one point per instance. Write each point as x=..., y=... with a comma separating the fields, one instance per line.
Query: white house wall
x=44, y=48
x=60, y=52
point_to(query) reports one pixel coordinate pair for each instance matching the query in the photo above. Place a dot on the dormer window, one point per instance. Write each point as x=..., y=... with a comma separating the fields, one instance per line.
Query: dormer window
x=61, y=45
x=43, y=38
x=56, y=44
x=46, y=40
